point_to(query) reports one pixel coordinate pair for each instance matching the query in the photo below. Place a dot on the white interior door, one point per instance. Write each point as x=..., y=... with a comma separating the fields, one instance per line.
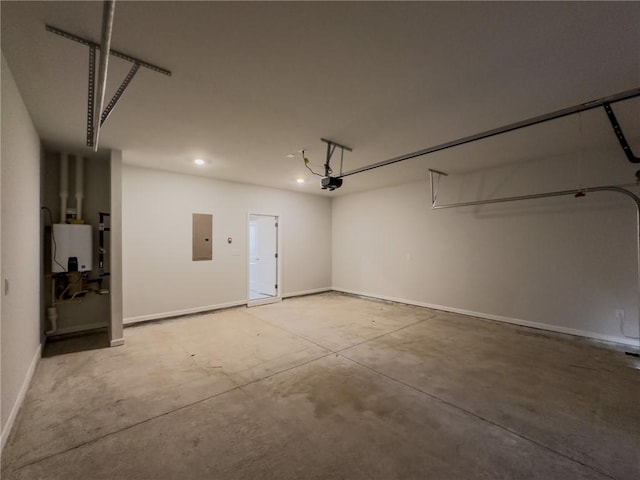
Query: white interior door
x=253, y=255
x=263, y=259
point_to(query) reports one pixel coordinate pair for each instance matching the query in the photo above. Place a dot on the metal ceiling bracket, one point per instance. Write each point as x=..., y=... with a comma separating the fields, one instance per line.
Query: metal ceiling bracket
x=115, y=53
x=91, y=94
x=95, y=119
x=620, y=134
x=123, y=86
x=331, y=148
x=504, y=129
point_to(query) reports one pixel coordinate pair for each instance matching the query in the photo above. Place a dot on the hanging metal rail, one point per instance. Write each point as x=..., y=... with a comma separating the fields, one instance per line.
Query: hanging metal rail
x=105, y=48
x=602, y=102
x=607, y=188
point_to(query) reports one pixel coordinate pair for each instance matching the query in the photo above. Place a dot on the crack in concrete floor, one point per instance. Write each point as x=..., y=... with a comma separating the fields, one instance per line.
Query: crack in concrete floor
x=295, y=318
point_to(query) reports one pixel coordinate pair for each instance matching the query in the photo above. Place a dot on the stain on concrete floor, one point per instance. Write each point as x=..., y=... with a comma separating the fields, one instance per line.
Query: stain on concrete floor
x=333, y=390
x=283, y=392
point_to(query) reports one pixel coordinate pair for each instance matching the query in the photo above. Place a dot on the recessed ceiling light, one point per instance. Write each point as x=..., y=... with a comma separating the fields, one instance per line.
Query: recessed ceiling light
x=291, y=155
x=300, y=180
x=199, y=161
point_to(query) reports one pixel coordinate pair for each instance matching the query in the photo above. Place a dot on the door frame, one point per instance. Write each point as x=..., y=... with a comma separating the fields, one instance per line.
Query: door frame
x=278, y=296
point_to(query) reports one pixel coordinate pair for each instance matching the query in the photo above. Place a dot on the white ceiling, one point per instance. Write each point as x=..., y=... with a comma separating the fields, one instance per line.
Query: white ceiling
x=253, y=82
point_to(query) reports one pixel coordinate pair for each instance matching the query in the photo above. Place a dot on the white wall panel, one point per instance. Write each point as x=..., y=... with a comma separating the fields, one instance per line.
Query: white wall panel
x=21, y=245
x=160, y=277
x=563, y=263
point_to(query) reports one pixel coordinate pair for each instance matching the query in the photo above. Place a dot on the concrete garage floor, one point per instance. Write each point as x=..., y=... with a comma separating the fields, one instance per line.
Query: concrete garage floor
x=332, y=387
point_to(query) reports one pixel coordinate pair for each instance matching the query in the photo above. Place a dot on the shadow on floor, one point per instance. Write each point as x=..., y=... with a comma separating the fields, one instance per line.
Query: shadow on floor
x=76, y=343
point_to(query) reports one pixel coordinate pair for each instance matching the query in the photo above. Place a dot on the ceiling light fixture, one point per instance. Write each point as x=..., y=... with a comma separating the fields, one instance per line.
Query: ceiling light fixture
x=300, y=180
x=199, y=161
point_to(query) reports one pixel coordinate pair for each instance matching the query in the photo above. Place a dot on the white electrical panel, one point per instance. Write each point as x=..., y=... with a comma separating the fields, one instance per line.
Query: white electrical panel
x=68, y=241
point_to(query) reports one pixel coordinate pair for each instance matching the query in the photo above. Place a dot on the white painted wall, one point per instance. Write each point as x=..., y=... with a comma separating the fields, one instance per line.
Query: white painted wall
x=21, y=260
x=565, y=264
x=159, y=277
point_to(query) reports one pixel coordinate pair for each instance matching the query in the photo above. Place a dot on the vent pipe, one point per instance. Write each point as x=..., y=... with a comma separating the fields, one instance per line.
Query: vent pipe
x=64, y=186
x=79, y=186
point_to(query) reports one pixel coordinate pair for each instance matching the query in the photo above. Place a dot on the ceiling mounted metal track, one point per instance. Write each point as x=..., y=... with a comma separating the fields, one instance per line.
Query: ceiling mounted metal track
x=96, y=117
x=602, y=102
x=105, y=47
x=578, y=192
x=115, y=53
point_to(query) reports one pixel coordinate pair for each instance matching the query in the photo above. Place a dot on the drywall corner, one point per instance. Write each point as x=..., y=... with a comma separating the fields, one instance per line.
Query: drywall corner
x=115, y=325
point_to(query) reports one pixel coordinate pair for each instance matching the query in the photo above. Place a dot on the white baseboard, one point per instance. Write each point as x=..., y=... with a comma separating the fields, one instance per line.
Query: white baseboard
x=208, y=308
x=263, y=301
x=21, y=394
x=177, y=313
x=116, y=342
x=307, y=292
x=500, y=318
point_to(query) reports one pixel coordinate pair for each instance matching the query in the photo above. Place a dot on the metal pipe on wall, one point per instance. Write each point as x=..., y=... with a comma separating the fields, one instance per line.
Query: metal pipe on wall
x=79, y=185
x=609, y=188
x=64, y=186
x=605, y=188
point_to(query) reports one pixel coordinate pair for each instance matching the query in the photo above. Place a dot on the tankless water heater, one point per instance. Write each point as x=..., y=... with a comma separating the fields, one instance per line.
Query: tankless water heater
x=71, y=241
